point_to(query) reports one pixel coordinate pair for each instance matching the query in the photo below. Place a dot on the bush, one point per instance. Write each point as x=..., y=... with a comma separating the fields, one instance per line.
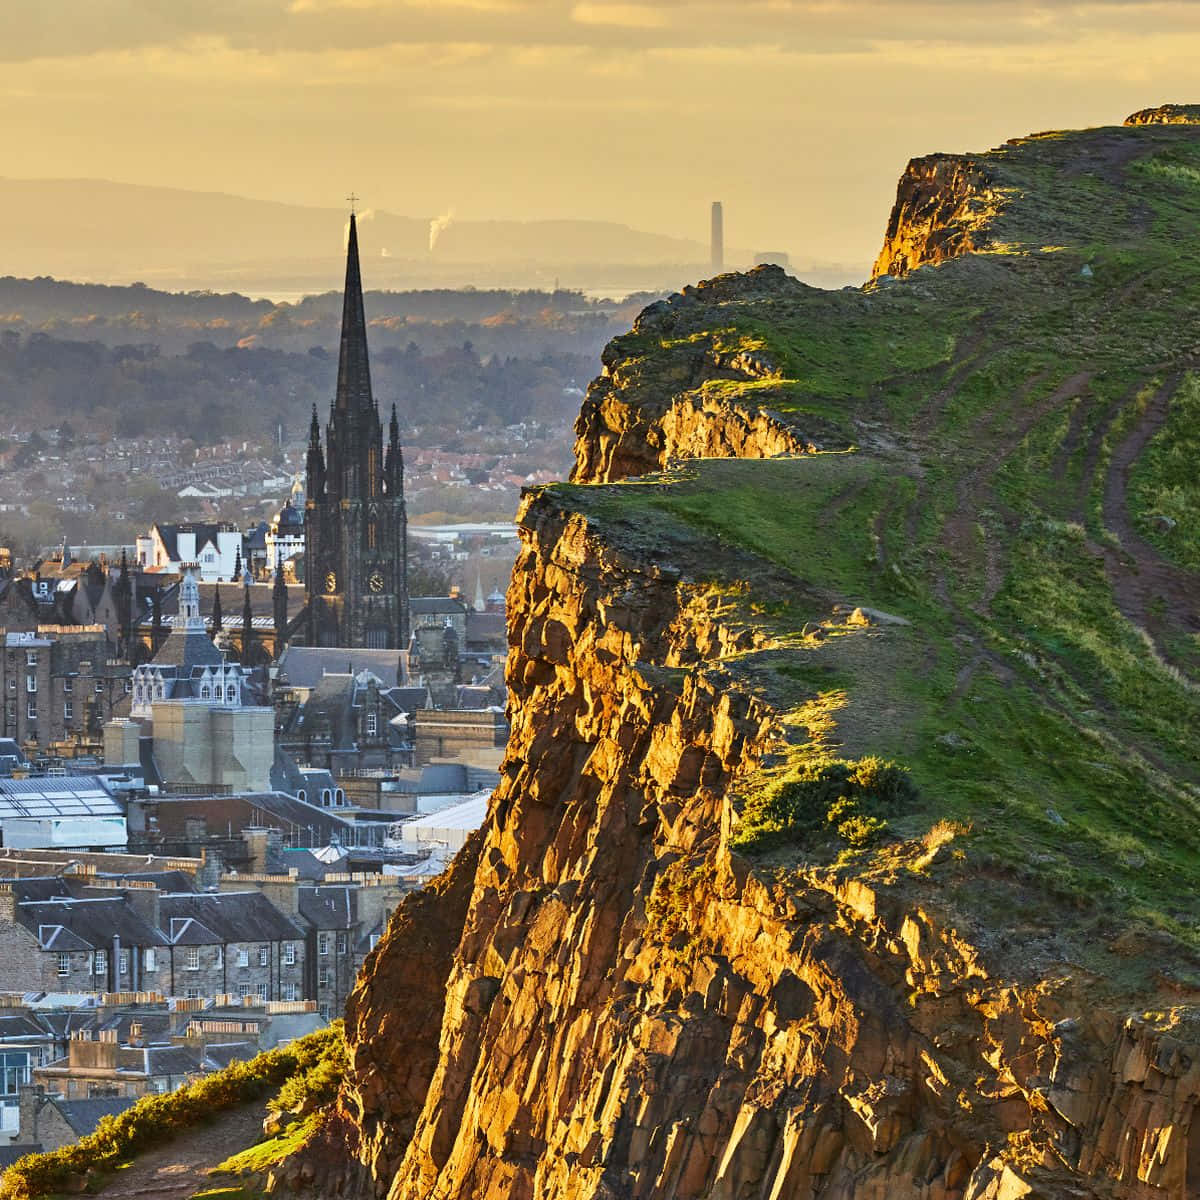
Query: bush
x=158, y=1118
x=852, y=797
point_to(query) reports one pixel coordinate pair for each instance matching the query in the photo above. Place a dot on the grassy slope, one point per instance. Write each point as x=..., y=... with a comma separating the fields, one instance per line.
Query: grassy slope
x=1045, y=692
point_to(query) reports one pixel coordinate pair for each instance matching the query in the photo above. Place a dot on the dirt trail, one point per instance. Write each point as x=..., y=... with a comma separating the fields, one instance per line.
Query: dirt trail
x=180, y=1168
x=1140, y=575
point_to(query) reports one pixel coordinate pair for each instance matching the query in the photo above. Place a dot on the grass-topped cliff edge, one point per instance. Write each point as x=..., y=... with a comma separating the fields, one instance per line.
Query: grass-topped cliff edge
x=1007, y=430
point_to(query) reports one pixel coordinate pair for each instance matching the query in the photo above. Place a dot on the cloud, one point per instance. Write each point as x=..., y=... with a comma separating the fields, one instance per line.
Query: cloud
x=630, y=16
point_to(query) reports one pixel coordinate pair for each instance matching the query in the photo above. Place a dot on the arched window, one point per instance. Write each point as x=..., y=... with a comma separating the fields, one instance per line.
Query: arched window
x=326, y=797
x=302, y=795
x=231, y=692
x=339, y=797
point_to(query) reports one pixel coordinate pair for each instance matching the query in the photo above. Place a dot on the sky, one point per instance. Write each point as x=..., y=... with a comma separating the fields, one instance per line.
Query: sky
x=798, y=114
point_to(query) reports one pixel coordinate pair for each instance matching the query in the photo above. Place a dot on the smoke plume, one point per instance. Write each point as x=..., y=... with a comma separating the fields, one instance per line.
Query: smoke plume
x=438, y=226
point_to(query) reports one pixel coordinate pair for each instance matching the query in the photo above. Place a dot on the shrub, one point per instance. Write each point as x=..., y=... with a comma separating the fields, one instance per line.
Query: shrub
x=157, y=1118
x=852, y=797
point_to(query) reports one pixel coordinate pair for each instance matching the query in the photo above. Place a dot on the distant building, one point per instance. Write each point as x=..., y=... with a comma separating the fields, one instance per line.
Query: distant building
x=59, y=682
x=214, y=547
x=284, y=538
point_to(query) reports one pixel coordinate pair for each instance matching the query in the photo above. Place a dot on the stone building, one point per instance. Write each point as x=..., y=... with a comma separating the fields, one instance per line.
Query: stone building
x=58, y=935
x=476, y=736
x=60, y=683
x=48, y=1122
x=356, y=528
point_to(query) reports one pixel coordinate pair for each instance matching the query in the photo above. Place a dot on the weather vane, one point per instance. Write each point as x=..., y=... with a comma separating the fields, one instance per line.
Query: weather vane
x=353, y=200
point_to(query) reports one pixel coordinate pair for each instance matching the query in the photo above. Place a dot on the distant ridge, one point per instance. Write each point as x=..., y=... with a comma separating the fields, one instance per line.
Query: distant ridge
x=101, y=231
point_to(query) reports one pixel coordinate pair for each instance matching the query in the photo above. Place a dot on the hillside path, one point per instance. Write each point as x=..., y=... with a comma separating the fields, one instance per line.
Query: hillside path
x=180, y=1168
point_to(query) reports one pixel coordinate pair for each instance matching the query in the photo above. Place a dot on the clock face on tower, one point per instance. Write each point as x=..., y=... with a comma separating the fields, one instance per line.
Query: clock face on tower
x=331, y=582
x=376, y=582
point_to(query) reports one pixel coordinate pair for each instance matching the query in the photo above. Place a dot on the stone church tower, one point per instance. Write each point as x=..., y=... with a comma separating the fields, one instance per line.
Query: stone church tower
x=355, y=527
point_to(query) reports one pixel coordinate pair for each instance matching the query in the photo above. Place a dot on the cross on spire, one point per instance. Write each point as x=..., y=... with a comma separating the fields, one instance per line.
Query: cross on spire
x=353, y=201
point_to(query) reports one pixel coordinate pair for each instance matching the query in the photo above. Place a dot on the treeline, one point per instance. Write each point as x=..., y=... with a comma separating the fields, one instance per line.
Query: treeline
x=209, y=392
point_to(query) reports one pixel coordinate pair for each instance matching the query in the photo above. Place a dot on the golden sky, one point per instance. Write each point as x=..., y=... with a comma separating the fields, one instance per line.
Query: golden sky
x=798, y=114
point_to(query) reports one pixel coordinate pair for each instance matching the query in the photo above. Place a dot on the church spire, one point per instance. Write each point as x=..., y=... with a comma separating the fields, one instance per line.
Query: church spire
x=354, y=372
x=315, y=486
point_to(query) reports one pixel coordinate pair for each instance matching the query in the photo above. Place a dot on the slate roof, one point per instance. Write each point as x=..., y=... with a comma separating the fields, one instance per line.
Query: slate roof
x=84, y=1115
x=409, y=699
x=21, y=1026
x=10, y=1154
x=218, y=1057
x=431, y=605
x=333, y=906
x=486, y=627
x=230, y=916
x=170, y=1060
x=186, y=649
x=304, y=666
x=86, y=924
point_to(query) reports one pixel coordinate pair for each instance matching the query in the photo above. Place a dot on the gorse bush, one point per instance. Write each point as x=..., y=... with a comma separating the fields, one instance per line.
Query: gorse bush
x=850, y=799
x=315, y=1086
x=160, y=1117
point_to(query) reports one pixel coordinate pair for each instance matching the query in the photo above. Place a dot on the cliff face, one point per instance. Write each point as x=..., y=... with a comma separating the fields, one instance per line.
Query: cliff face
x=945, y=206
x=609, y=995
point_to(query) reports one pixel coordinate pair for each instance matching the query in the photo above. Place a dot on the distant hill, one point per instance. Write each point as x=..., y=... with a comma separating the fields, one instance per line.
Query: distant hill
x=100, y=231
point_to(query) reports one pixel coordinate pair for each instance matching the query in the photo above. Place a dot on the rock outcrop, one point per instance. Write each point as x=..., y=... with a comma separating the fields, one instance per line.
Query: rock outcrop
x=603, y=999
x=945, y=207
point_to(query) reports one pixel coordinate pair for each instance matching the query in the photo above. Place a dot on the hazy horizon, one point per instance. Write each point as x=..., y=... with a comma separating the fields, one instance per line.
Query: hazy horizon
x=798, y=115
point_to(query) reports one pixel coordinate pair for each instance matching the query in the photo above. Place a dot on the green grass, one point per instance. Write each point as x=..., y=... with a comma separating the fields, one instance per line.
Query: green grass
x=1026, y=704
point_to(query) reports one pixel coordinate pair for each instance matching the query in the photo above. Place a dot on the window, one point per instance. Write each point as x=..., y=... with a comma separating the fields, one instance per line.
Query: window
x=341, y=943
x=99, y=687
x=31, y=710
x=204, y=692
x=149, y=960
x=100, y=963
x=220, y=956
x=128, y=686
x=289, y=954
x=31, y=683
x=374, y=940
x=14, y=1070
x=12, y=683
x=68, y=686
x=231, y=692
x=324, y=977
x=372, y=723
x=244, y=990
x=64, y=964
x=68, y=711
x=322, y=943
x=31, y=658
x=193, y=993
x=325, y=1011
x=193, y=958
x=264, y=955
x=288, y=991
x=123, y=963
x=243, y=958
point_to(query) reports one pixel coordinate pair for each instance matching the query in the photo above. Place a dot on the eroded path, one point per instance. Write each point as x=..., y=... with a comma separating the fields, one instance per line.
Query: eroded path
x=180, y=1168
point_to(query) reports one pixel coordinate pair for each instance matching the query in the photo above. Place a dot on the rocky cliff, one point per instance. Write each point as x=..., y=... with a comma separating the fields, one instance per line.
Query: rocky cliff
x=946, y=521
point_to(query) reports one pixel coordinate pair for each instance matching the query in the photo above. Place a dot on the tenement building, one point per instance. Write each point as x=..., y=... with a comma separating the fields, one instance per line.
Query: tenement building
x=356, y=534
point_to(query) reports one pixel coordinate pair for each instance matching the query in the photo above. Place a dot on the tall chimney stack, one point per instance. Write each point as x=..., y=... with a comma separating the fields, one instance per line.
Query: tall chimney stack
x=718, y=238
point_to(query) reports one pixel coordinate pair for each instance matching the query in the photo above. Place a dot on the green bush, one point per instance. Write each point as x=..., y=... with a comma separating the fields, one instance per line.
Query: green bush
x=318, y=1085
x=852, y=797
x=158, y=1118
